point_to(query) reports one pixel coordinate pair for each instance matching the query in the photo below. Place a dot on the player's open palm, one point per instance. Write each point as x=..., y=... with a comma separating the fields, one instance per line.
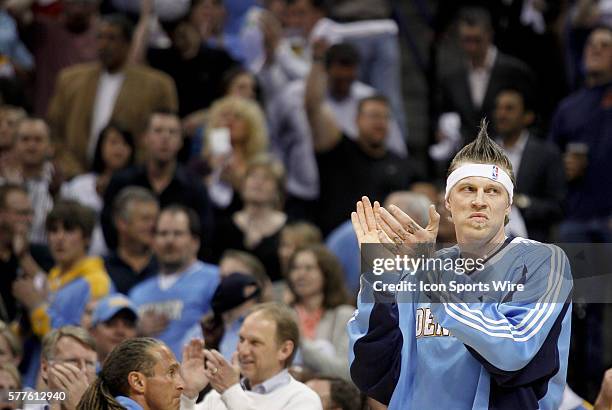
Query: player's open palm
x=401, y=229
x=364, y=223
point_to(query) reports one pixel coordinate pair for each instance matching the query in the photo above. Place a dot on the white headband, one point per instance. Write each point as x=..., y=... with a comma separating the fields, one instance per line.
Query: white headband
x=493, y=172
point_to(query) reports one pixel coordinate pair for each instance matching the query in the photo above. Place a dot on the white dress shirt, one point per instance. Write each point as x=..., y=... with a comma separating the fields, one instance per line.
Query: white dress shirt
x=478, y=77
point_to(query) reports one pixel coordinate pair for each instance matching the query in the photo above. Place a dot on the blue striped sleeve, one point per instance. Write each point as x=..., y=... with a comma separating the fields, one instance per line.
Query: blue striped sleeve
x=509, y=335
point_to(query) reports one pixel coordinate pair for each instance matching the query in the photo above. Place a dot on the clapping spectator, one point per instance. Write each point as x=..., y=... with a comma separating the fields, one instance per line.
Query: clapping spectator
x=268, y=340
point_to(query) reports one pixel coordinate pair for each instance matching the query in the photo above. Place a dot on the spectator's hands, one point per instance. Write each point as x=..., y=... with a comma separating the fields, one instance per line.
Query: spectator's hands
x=575, y=165
x=604, y=399
x=192, y=368
x=220, y=372
x=319, y=48
x=233, y=172
x=152, y=324
x=26, y=293
x=272, y=33
x=66, y=377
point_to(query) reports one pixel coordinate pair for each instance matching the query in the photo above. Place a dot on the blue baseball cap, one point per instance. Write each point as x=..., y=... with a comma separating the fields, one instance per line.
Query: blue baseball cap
x=109, y=306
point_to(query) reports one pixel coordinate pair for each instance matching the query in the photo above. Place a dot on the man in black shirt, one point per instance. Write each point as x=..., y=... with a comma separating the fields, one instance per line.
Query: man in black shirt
x=197, y=69
x=134, y=213
x=349, y=169
x=161, y=173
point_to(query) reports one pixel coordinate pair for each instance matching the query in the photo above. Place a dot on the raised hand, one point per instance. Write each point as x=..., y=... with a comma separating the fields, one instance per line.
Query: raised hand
x=193, y=369
x=220, y=372
x=364, y=222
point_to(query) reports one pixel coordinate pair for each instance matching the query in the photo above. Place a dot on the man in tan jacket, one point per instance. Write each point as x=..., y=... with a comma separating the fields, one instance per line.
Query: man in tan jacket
x=88, y=96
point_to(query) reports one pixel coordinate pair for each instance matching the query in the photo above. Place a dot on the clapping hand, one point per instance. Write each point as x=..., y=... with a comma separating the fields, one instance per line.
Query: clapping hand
x=392, y=228
x=364, y=223
x=220, y=372
x=400, y=228
x=192, y=368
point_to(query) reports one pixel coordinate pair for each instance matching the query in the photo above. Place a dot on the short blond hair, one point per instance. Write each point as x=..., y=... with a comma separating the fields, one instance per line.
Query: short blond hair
x=250, y=112
x=49, y=342
x=483, y=150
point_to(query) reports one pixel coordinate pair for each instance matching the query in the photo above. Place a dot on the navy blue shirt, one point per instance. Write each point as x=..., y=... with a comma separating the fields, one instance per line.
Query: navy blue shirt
x=122, y=274
x=586, y=117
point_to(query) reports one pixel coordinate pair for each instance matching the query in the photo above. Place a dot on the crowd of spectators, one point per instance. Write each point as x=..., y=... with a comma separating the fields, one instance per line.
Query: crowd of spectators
x=166, y=166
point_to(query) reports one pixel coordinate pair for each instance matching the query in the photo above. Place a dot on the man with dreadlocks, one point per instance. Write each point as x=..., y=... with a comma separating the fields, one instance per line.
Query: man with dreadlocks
x=503, y=349
x=142, y=374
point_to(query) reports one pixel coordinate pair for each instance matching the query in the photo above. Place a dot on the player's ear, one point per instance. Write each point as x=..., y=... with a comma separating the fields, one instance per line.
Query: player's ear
x=137, y=382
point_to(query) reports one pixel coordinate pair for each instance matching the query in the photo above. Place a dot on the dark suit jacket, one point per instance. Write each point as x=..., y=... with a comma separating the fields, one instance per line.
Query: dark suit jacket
x=454, y=91
x=541, y=177
x=71, y=109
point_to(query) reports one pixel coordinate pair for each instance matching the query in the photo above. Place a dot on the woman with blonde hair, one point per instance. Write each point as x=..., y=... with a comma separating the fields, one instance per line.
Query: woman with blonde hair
x=236, y=133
